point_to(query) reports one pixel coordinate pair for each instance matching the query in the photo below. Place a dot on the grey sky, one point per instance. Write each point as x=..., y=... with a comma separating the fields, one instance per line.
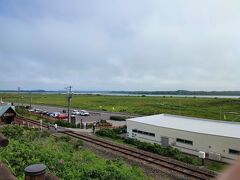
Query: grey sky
x=120, y=45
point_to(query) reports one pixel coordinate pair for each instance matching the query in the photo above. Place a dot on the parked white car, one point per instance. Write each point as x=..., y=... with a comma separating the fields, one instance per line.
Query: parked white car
x=38, y=110
x=84, y=113
x=54, y=114
x=75, y=112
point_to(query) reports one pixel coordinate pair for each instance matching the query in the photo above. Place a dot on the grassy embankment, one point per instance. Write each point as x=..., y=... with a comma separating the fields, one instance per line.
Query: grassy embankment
x=212, y=108
x=64, y=157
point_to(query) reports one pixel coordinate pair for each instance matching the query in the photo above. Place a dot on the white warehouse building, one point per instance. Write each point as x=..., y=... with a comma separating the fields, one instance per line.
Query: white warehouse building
x=220, y=140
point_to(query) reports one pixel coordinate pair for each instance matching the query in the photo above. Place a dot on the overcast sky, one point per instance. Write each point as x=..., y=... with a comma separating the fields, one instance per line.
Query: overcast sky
x=120, y=44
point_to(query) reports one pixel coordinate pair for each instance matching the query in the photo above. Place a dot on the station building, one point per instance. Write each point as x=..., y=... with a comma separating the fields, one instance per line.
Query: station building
x=7, y=114
x=220, y=140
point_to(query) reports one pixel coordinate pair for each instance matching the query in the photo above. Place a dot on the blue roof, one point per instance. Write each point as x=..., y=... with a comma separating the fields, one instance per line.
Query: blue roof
x=4, y=108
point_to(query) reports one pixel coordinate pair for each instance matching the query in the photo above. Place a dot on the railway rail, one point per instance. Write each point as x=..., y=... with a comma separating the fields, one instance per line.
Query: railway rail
x=180, y=168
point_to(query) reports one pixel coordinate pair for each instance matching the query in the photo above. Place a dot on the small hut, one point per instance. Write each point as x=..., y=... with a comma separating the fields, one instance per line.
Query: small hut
x=7, y=114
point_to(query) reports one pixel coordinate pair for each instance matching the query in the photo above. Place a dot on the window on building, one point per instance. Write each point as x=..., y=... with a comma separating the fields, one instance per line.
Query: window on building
x=134, y=130
x=151, y=134
x=143, y=132
x=233, y=151
x=188, y=142
x=184, y=141
x=180, y=140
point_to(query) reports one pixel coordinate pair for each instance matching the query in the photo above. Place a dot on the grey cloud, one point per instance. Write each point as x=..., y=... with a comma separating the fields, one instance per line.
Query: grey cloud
x=120, y=45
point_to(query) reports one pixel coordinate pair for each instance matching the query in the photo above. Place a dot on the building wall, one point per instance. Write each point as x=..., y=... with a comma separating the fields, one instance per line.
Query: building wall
x=1, y=121
x=212, y=145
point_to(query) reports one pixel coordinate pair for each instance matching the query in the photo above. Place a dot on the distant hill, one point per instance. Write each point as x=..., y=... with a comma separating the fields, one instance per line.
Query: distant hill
x=38, y=90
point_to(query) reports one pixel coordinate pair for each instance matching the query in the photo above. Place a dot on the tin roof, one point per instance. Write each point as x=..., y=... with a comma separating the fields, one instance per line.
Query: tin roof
x=4, y=108
x=190, y=124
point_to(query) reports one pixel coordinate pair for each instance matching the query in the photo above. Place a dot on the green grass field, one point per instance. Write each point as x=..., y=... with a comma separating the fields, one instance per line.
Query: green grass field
x=212, y=108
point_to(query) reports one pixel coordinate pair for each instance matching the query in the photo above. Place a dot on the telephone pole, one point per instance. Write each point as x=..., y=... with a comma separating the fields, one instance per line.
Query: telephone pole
x=69, y=98
x=30, y=100
x=19, y=96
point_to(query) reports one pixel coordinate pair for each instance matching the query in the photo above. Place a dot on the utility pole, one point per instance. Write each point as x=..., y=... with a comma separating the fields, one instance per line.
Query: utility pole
x=19, y=96
x=22, y=103
x=69, y=98
x=30, y=100
x=180, y=94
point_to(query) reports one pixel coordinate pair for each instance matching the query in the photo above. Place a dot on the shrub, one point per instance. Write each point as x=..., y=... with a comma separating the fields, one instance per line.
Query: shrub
x=122, y=110
x=107, y=133
x=120, y=130
x=63, y=138
x=12, y=132
x=65, y=124
x=77, y=143
x=158, y=149
x=118, y=118
x=23, y=133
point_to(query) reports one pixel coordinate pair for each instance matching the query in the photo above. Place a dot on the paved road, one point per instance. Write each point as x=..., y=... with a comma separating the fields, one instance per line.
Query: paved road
x=94, y=115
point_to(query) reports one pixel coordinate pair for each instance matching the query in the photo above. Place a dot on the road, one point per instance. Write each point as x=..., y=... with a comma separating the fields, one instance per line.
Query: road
x=94, y=115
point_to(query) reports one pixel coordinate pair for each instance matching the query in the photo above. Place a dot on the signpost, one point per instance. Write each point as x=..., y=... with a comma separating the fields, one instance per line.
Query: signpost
x=202, y=156
x=41, y=124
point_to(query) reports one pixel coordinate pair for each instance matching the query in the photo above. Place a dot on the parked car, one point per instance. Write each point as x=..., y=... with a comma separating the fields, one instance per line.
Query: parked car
x=44, y=112
x=54, y=114
x=62, y=116
x=84, y=113
x=38, y=111
x=31, y=110
x=75, y=112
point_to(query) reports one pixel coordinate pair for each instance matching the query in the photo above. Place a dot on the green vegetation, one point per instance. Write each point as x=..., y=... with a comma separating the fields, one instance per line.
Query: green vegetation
x=212, y=108
x=66, y=124
x=158, y=149
x=61, y=155
x=164, y=151
x=182, y=92
x=120, y=130
x=155, y=148
x=105, y=132
x=118, y=118
x=112, y=133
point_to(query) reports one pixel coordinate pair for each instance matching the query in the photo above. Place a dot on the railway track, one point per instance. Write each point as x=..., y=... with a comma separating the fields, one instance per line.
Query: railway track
x=180, y=168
